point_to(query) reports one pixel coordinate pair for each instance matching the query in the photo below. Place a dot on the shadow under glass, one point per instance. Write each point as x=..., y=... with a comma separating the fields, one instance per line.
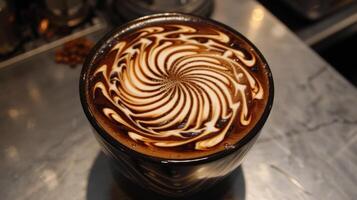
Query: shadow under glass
x=103, y=185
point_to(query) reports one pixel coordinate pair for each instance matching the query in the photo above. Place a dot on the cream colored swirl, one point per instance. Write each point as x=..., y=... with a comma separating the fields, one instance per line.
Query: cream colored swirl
x=173, y=86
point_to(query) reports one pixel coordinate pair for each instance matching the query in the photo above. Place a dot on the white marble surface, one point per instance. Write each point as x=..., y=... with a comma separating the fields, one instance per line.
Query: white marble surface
x=307, y=150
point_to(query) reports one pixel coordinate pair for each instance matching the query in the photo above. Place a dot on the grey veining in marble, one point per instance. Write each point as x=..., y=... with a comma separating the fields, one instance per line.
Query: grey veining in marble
x=307, y=149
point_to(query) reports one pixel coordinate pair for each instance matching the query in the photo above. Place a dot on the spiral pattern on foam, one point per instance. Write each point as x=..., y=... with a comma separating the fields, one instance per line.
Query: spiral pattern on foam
x=172, y=86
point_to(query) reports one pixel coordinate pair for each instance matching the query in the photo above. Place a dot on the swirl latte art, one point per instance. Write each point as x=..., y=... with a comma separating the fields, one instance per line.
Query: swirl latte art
x=179, y=86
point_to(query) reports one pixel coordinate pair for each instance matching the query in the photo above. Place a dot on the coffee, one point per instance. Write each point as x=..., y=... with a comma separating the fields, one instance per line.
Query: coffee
x=178, y=89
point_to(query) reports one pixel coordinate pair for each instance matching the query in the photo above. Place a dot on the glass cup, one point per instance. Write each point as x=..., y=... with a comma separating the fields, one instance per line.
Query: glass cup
x=169, y=177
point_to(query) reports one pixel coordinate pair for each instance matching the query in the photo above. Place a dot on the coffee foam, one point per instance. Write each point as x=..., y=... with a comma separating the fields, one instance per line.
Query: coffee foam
x=169, y=86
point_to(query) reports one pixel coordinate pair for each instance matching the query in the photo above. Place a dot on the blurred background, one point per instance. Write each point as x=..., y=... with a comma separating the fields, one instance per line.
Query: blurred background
x=31, y=27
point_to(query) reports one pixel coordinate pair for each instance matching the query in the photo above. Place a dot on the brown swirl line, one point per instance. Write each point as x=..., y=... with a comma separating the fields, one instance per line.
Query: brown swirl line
x=172, y=91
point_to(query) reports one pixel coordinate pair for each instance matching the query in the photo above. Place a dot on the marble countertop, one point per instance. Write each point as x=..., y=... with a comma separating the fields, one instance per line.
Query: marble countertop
x=307, y=149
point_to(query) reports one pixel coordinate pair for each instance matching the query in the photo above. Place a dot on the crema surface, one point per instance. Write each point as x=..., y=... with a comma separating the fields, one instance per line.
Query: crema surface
x=178, y=90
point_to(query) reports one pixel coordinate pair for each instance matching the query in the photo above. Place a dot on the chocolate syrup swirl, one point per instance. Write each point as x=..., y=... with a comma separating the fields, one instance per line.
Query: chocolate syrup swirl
x=174, y=85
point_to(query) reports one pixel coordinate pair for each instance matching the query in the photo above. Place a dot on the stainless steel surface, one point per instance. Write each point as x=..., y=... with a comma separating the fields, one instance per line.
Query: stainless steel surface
x=307, y=150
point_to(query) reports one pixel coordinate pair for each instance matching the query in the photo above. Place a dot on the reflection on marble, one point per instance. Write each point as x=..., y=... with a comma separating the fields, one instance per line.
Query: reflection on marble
x=13, y=113
x=255, y=21
x=12, y=153
x=34, y=92
x=49, y=177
